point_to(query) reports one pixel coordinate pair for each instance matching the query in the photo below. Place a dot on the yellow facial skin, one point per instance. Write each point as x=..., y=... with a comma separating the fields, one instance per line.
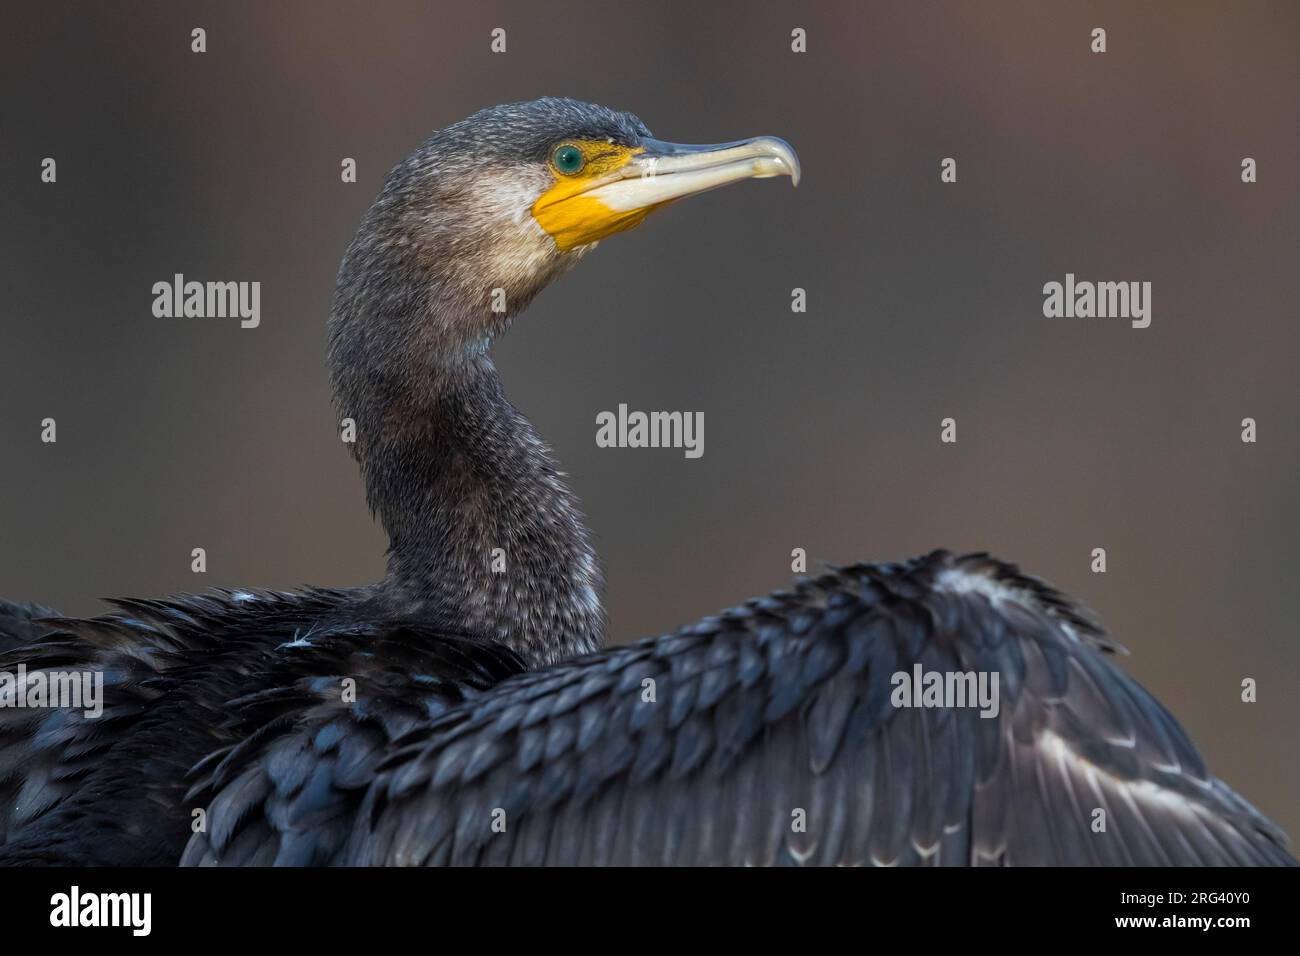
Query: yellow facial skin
x=574, y=219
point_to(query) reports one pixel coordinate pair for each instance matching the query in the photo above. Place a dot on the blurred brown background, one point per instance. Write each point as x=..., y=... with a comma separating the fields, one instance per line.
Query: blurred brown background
x=822, y=430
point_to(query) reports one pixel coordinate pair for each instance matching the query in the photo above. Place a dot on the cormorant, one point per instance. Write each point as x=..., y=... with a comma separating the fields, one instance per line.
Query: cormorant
x=455, y=713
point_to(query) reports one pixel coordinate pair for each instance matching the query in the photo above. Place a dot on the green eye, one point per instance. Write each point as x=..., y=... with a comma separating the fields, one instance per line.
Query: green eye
x=568, y=159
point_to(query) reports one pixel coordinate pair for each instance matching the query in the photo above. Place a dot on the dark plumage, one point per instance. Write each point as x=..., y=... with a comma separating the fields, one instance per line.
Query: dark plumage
x=783, y=704
x=463, y=712
x=451, y=468
x=110, y=790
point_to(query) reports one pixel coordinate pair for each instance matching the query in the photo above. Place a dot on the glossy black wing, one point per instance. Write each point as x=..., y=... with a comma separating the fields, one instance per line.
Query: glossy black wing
x=773, y=735
x=80, y=787
x=308, y=744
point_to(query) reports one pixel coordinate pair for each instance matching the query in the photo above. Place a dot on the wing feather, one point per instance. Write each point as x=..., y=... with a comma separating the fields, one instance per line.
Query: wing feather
x=784, y=705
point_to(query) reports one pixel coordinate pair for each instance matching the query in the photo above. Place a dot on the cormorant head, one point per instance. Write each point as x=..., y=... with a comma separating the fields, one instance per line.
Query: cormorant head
x=490, y=209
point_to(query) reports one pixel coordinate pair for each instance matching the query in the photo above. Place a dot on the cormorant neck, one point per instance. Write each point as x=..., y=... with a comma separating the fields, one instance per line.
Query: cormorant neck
x=483, y=533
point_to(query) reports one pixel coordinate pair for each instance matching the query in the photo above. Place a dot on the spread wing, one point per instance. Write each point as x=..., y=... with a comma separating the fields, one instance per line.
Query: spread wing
x=184, y=682
x=99, y=784
x=771, y=734
x=307, y=745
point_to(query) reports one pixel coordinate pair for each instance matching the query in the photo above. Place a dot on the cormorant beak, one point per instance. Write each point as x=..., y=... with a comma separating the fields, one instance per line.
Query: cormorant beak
x=652, y=175
x=663, y=171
